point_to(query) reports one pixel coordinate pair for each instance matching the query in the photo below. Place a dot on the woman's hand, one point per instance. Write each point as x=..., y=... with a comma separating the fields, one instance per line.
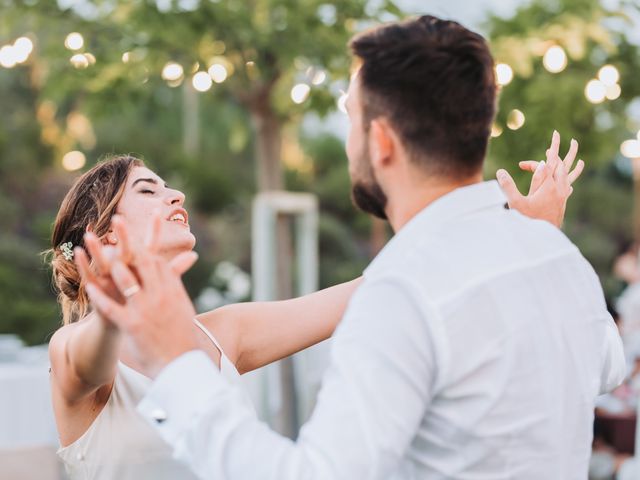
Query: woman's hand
x=151, y=305
x=104, y=257
x=550, y=185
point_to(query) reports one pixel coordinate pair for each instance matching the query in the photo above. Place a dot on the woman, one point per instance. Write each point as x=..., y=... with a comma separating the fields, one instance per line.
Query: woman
x=95, y=385
x=95, y=380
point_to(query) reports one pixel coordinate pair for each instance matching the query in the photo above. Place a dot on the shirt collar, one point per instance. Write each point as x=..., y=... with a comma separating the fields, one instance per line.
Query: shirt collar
x=459, y=202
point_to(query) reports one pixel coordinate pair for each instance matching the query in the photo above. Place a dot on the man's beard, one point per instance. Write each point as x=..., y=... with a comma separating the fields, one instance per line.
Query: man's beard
x=366, y=192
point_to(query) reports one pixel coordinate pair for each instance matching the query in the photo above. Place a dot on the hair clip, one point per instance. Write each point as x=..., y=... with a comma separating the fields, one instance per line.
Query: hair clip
x=67, y=250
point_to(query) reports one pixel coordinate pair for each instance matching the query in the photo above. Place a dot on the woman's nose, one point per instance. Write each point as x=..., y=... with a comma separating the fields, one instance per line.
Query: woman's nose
x=175, y=197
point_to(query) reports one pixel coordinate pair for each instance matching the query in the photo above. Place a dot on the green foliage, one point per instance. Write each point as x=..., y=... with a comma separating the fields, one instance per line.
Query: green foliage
x=50, y=108
x=599, y=216
x=28, y=305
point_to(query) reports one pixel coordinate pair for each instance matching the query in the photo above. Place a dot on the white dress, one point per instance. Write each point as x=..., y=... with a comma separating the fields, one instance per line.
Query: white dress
x=120, y=444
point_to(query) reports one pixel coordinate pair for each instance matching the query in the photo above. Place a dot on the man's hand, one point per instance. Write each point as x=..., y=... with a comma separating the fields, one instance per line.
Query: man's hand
x=151, y=305
x=550, y=185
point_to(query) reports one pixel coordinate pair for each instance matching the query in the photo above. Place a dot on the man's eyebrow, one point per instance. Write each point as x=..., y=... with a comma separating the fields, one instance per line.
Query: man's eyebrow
x=150, y=180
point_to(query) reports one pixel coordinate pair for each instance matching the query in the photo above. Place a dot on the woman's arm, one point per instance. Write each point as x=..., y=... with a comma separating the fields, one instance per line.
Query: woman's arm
x=257, y=333
x=84, y=357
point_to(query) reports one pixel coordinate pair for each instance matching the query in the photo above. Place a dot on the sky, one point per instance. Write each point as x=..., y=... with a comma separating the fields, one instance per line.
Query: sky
x=470, y=13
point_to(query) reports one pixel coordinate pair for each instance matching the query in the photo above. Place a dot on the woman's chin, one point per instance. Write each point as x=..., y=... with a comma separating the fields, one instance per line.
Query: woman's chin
x=184, y=244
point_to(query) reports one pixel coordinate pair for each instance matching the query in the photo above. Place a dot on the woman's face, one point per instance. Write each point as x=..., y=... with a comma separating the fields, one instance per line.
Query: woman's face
x=145, y=193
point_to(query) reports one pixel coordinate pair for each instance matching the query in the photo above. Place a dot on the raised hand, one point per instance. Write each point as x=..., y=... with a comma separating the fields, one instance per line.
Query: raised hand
x=144, y=298
x=550, y=186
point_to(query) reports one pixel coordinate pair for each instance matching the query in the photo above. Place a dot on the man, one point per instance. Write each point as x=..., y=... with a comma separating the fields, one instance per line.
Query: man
x=479, y=339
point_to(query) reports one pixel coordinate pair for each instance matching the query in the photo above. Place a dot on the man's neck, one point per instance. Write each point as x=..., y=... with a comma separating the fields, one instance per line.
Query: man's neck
x=409, y=200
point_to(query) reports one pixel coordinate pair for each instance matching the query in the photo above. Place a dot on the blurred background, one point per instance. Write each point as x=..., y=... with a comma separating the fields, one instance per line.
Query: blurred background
x=229, y=99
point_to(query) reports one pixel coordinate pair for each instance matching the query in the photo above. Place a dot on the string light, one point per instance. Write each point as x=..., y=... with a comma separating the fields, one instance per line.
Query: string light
x=22, y=48
x=504, y=74
x=172, y=72
x=516, y=119
x=630, y=148
x=74, y=41
x=595, y=91
x=342, y=102
x=496, y=131
x=73, y=160
x=218, y=73
x=609, y=75
x=202, y=81
x=8, y=56
x=319, y=77
x=555, y=59
x=79, y=61
x=613, y=92
x=300, y=92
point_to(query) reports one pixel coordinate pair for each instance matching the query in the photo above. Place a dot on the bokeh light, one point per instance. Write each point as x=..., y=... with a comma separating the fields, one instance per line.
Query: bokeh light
x=555, y=59
x=609, y=75
x=595, y=91
x=342, y=103
x=218, y=73
x=73, y=160
x=74, y=41
x=8, y=56
x=172, y=72
x=630, y=148
x=22, y=48
x=613, y=92
x=516, y=119
x=79, y=61
x=300, y=92
x=504, y=74
x=202, y=81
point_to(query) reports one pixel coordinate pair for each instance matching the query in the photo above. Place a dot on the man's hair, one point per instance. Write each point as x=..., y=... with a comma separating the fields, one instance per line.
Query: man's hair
x=434, y=81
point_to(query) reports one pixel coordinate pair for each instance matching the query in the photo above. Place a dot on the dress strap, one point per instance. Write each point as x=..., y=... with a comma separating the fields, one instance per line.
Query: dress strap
x=208, y=334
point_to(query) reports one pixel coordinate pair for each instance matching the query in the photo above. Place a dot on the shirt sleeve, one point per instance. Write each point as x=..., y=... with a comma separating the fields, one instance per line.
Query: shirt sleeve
x=614, y=366
x=372, y=401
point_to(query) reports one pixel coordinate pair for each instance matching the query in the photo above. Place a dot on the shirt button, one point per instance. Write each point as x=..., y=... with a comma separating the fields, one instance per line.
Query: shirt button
x=80, y=456
x=159, y=415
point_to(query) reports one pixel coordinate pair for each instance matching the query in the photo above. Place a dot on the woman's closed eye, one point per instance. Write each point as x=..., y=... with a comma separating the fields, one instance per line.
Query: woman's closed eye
x=147, y=191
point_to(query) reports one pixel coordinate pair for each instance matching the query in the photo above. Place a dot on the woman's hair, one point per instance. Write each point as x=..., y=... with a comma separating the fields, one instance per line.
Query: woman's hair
x=89, y=204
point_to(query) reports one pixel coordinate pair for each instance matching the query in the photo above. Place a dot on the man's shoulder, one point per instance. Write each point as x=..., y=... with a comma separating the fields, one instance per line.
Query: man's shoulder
x=465, y=252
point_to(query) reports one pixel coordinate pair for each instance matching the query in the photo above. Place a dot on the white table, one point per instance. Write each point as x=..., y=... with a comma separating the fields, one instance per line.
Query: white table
x=26, y=415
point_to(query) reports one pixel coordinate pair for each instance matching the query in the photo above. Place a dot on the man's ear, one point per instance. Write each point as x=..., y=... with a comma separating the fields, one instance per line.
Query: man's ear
x=381, y=144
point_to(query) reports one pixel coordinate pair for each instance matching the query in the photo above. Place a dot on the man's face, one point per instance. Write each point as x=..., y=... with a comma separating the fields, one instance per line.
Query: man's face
x=366, y=192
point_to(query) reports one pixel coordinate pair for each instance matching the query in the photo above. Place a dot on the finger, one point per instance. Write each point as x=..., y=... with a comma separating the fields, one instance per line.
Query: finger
x=125, y=280
x=96, y=250
x=124, y=245
x=153, y=236
x=84, y=267
x=105, y=305
x=509, y=187
x=183, y=262
x=561, y=176
x=539, y=176
x=553, y=151
x=573, y=176
x=529, y=165
x=571, y=155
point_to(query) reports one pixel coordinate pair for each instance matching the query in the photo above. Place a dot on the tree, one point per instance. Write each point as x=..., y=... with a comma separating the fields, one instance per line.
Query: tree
x=599, y=213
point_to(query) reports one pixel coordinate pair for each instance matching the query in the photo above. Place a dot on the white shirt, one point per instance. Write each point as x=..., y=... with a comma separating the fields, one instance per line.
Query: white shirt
x=474, y=349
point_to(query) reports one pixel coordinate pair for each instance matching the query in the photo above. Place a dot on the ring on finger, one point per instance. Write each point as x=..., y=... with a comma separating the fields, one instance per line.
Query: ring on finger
x=131, y=291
